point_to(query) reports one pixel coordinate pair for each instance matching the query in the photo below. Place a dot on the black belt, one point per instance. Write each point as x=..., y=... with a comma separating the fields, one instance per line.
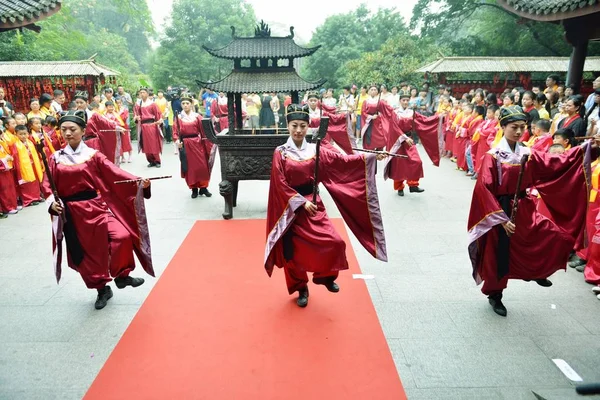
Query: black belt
x=73, y=244
x=304, y=190
x=148, y=121
x=503, y=250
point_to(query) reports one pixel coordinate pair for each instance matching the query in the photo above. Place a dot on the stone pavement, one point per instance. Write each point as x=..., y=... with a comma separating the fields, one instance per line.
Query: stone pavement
x=446, y=341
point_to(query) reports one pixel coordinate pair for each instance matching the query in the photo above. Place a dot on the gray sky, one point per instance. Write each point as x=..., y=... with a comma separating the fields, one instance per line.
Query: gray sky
x=305, y=15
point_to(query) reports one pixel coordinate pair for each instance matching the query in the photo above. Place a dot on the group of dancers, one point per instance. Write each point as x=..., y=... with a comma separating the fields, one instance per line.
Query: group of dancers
x=98, y=209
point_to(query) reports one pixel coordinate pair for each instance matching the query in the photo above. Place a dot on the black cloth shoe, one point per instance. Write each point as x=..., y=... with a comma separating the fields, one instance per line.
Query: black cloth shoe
x=128, y=281
x=3, y=216
x=401, y=192
x=576, y=262
x=543, y=282
x=204, y=191
x=194, y=193
x=157, y=165
x=496, y=303
x=416, y=189
x=302, y=300
x=328, y=283
x=104, y=295
x=151, y=165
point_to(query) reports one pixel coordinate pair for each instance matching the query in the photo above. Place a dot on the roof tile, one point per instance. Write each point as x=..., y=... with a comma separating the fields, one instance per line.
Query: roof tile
x=12, y=11
x=54, y=68
x=261, y=82
x=506, y=64
x=257, y=47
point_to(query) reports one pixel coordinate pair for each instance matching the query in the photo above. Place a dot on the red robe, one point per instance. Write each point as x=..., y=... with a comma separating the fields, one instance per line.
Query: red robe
x=108, y=239
x=473, y=128
x=314, y=243
x=373, y=130
x=197, y=156
x=592, y=252
x=219, y=113
x=487, y=134
x=55, y=137
x=125, y=136
x=8, y=190
x=149, y=133
x=540, y=246
x=461, y=142
x=448, y=130
x=339, y=130
x=104, y=136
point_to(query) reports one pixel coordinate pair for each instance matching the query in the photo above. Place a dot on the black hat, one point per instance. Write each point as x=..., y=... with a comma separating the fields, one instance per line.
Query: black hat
x=511, y=114
x=404, y=94
x=297, y=112
x=186, y=97
x=81, y=94
x=77, y=116
x=312, y=94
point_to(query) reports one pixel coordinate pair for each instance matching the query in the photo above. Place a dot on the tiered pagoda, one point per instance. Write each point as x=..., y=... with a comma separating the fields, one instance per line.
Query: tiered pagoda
x=261, y=64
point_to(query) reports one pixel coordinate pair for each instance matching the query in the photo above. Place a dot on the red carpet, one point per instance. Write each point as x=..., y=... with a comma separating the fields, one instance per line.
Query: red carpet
x=216, y=327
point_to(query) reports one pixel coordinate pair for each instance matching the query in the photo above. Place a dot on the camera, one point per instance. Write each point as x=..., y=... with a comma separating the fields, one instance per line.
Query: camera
x=173, y=94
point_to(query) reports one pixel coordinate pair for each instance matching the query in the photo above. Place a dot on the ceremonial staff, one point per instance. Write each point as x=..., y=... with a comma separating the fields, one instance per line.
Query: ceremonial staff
x=318, y=151
x=387, y=153
x=513, y=213
x=141, y=179
x=182, y=155
x=40, y=149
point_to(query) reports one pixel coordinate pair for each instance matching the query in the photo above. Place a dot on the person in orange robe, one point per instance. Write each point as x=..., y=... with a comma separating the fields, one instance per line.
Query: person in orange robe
x=487, y=133
x=448, y=131
x=28, y=168
x=527, y=245
x=196, y=153
x=300, y=236
x=8, y=190
x=471, y=152
x=462, y=137
x=148, y=118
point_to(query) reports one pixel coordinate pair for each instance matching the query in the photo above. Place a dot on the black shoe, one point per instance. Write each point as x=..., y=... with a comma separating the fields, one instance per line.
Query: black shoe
x=576, y=262
x=128, y=281
x=157, y=165
x=496, y=303
x=194, y=193
x=302, y=300
x=204, y=191
x=543, y=282
x=329, y=284
x=401, y=192
x=3, y=216
x=151, y=165
x=104, y=295
x=416, y=189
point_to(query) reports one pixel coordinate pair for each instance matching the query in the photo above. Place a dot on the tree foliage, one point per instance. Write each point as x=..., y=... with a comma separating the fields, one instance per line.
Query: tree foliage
x=118, y=31
x=394, y=62
x=345, y=37
x=180, y=59
x=484, y=28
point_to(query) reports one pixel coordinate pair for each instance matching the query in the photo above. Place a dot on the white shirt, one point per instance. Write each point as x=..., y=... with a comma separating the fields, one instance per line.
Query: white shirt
x=346, y=101
x=57, y=107
x=305, y=152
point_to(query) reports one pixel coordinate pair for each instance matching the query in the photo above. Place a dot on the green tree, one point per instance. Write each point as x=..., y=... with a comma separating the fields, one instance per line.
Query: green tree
x=345, y=37
x=484, y=28
x=394, y=62
x=180, y=59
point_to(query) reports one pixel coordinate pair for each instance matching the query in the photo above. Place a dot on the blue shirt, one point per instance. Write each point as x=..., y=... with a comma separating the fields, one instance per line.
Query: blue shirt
x=208, y=98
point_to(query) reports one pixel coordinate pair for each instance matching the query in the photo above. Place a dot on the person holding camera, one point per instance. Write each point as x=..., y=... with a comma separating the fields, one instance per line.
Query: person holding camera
x=6, y=109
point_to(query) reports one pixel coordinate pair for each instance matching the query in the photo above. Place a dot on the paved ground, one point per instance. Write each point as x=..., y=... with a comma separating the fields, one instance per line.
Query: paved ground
x=446, y=341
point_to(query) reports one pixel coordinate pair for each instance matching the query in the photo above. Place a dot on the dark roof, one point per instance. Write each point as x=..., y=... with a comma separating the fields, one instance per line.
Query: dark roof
x=551, y=10
x=261, y=47
x=18, y=13
x=506, y=64
x=54, y=68
x=262, y=82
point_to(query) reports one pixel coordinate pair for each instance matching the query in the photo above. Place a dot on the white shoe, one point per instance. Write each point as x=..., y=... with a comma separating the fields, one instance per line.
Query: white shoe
x=13, y=212
x=598, y=297
x=19, y=208
x=595, y=289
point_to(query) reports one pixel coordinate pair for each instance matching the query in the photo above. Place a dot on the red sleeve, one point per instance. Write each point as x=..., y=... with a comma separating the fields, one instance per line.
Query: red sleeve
x=16, y=161
x=176, y=123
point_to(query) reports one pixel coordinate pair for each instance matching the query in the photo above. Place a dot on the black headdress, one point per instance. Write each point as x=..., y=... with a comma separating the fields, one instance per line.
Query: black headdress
x=511, y=114
x=296, y=112
x=77, y=116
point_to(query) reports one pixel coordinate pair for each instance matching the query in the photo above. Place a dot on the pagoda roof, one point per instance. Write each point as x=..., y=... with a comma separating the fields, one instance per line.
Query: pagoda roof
x=24, y=13
x=286, y=80
x=54, y=68
x=262, y=45
x=505, y=64
x=551, y=10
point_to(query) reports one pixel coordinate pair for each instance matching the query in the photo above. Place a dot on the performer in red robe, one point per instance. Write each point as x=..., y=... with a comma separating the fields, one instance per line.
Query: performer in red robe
x=403, y=120
x=50, y=130
x=101, y=134
x=8, y=190
x=118, y=127
x=339, y=132
x=197, y=153
x=219, y=112
x=103, y=223
x=487, y=133
x=449, y=129
x=300, y=236
x=373, y=129
x=148, y=117
x=462, y=138
x=126, y=148
x=532, y=247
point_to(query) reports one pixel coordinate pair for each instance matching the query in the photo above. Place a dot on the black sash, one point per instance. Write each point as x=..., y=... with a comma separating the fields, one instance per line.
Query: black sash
x=148, y=121
x=73, y=244
x=288, y=245
x=503, y=250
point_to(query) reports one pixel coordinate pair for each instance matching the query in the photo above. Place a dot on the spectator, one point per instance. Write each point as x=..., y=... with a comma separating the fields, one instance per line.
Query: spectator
x=59, y=99
x=551, y=83
x=6, y=109
x=590, y=100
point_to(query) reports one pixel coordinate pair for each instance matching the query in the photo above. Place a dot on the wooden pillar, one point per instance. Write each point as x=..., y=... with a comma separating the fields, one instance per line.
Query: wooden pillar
x=239, y=124
x=295, y=97
x=578, y=55
x=230, y=113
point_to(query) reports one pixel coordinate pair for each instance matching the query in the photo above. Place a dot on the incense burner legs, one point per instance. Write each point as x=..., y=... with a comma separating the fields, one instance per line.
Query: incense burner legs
x=228, y=190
